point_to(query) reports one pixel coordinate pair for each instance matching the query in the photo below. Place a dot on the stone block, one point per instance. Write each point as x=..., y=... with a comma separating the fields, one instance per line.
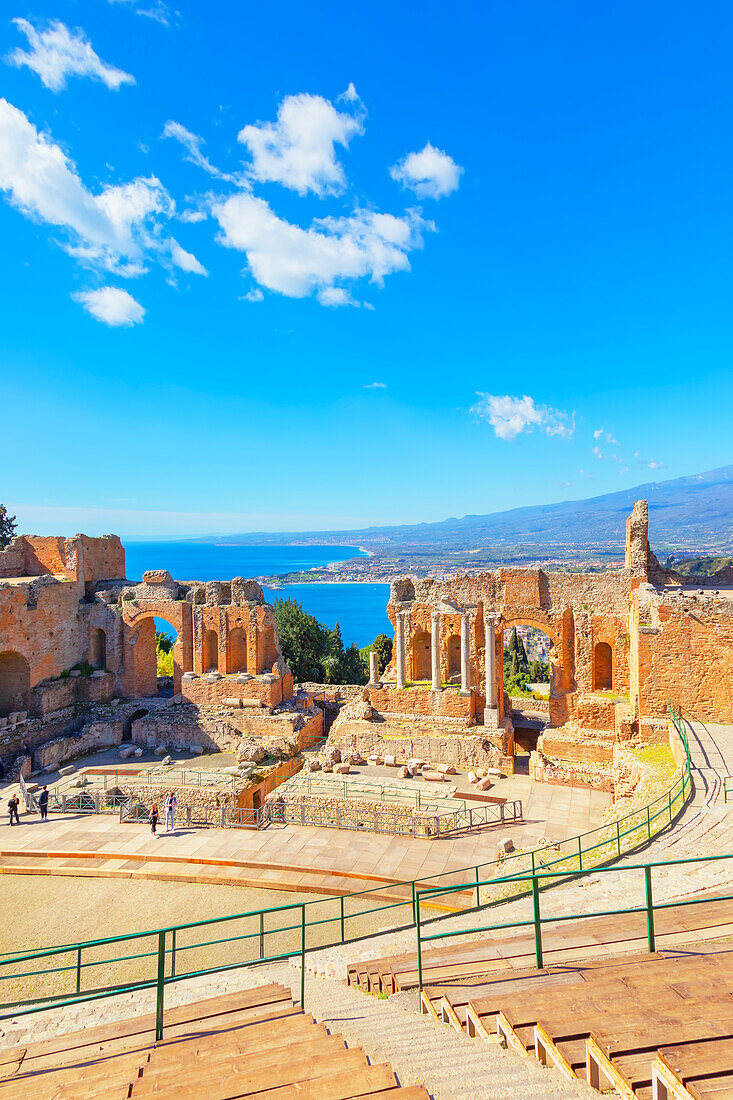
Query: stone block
x=472, y=777
x=433, y=777
x=67, y=770
x=342, y=769
x=196, y=749
x=404, y=772
x=374, y=760
x=161, y=750
x=232, y=702
x=126, y=752
x=484, y=784
x=32, y=787
x=446, y=769
x=505, y=846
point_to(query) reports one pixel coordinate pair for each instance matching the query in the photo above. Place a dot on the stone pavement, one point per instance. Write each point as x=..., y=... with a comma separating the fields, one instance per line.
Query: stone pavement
x=289, y=857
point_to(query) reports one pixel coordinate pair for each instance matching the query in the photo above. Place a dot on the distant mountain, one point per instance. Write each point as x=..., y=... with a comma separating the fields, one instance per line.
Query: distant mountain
x=686, y=513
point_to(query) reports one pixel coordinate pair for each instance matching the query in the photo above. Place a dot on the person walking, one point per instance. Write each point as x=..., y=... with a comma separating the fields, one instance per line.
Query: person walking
x=154, y=818
x=43, y=803
x=169, y=809
x=13, y=809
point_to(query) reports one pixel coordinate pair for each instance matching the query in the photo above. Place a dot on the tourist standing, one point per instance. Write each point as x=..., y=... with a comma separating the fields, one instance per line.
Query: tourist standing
x=13, y=809
x=169, y=809
x=154, y=819
x=43, y=803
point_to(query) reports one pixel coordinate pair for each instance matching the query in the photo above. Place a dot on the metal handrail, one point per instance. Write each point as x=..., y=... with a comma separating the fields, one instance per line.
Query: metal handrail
x=170, y=950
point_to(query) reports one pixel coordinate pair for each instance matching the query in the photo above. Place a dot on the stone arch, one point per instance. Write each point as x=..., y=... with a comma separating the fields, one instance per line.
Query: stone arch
x=211, y=651
x=141, y=659
x=421, y=660
x=603, y=667
x=127, y=724
x=237, y=661
x=453, y=655
x=15, y=682
x=98, y=648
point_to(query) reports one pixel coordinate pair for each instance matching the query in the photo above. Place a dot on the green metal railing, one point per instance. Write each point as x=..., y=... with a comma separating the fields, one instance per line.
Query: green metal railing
x=537, y=920
x=89, y=972
x=728, y=788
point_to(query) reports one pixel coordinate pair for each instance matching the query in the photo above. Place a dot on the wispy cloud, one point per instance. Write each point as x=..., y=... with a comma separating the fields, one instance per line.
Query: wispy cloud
x=155, y=9
x=511, y=416
x=111, y=305
x=375, y=386
x=649, y=463
x=56, y=53
x=193, y=143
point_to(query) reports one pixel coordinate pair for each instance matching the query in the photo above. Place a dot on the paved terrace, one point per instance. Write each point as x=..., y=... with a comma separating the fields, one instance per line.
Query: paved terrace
x=289, y=857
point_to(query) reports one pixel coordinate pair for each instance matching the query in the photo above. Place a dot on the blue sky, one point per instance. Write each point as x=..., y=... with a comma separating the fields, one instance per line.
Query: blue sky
x=279, y=267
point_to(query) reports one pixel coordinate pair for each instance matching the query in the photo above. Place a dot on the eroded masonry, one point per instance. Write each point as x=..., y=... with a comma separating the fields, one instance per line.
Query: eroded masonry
x=78, y=662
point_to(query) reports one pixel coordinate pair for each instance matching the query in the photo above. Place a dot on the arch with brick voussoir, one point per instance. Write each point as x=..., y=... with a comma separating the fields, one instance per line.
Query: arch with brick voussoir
x=559, y=633
x=140, y=674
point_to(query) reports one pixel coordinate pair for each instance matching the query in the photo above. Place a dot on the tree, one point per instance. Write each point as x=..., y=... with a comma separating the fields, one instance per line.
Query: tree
x=163, y=643
x=382, y=645
x=8, y=527
x=312, y=651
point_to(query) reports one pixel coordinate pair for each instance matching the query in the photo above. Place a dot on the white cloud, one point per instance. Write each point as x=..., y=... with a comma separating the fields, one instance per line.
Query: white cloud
x=192, y=143
x=510, y=416
x=598, y=433
x=335, y=296
x=597, y=452
x=298, y=150
x=111, y=305
x=57, y=53
x=299, y=262
x=193, y=216
x=608, y=436
x=375, y=386
x=431, y=173
x=116, y=230
x=156, y=10
x=253, y=295
x=652, y=464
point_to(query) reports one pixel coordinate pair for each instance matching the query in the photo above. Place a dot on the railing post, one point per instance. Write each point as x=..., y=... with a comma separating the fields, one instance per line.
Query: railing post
x=669, y=793
x=343, y=924
x=580, y=854
x=649, y=909
x=419, y=952
x=414, y=904
x=78, y=969
x=173, y=954
x=618, y=836
x=262, y=935
x=649, y=823
x=537, y=922
x=302, y=957
x=478, y=890
x=160, y=988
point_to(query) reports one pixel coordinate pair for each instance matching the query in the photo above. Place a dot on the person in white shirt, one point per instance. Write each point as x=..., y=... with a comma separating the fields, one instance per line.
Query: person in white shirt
x=169, y=809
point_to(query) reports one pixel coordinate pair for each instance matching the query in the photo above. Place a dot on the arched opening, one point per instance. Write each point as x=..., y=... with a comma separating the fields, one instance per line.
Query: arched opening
x=421, y=662
x=603, y=667
x=211, y=651
x=167, y=655
x=15, y=682
x=526, y=675
x=98, y=649
x=127, y=724
x=453, y=650
x=237, y=650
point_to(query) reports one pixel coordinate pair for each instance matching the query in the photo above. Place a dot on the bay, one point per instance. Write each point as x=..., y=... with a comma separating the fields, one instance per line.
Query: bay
x=359, y=609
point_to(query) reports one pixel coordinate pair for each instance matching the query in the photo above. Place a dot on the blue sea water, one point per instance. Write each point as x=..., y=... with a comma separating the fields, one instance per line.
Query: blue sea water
x=359, y=609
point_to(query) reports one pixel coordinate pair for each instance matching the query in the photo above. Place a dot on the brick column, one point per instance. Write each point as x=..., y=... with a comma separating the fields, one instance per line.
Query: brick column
x=465, y=655
x=400, y=642
x=435, y=652
x=491, y=710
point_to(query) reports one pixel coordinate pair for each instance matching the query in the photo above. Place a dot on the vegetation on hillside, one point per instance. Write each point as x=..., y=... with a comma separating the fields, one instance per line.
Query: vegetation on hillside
x=312, y=651
x=519, y=670
x=8, y=527
x=700, y=567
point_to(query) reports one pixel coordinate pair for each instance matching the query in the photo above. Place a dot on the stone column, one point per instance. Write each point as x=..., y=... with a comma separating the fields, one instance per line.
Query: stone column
x=373, y=668
x=400, y=642
x=491, y=710
x=465, y=655
x=435, y=652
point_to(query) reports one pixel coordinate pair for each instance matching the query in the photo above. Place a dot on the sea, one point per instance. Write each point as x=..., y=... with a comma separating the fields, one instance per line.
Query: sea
x=359, y=609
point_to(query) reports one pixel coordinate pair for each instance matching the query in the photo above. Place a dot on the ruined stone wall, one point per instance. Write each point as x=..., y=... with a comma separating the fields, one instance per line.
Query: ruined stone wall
x=685, y=645
x=462, y=751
